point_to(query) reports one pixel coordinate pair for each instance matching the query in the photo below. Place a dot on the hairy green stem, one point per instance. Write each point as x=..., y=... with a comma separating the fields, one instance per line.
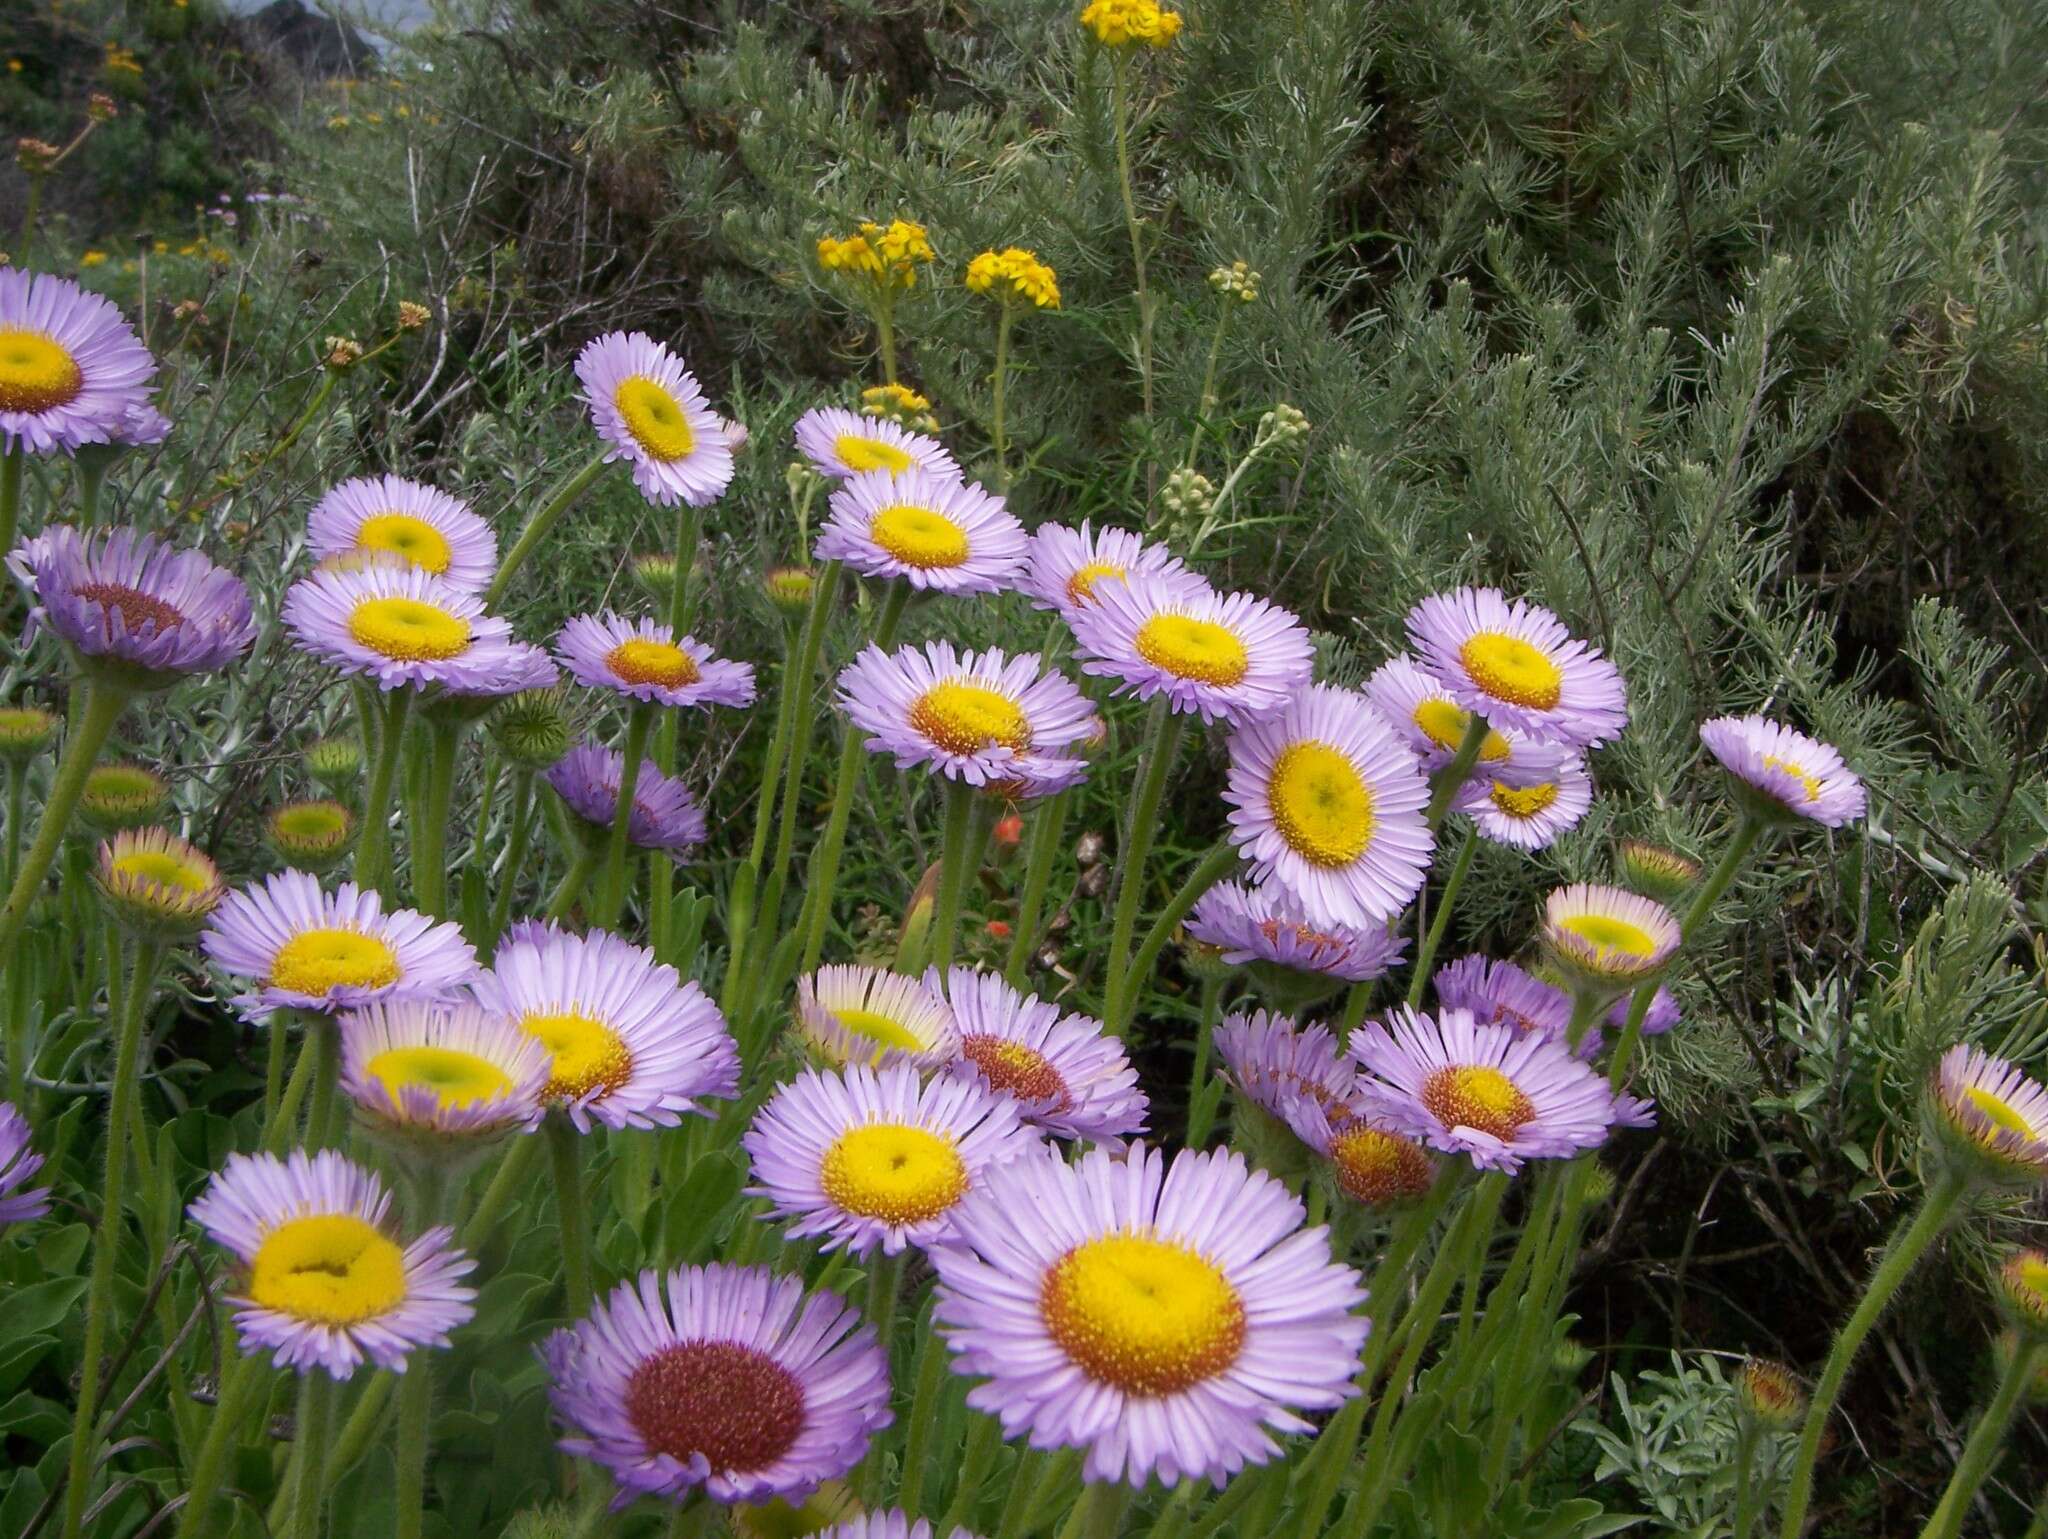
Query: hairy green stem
x=1121, y=112
x=1140, y=823
x=515, y=851
x=1748, y=1498
x=984, y=1437
x=1202, y=1105
x=12, y=463
x=930, y=1374
x=430, y=835
x=537, y=527
x=565, y=1152
x=1440, y=922
x=1987, y=1438
x=241, y=1379
x=1005, y=316
x=509, y=1182
x=90, y=729
x=1050, y=829
x=1445, y=782
x=373, y=847
x=316, y=1412
x=1215, y=866
x=416, y=1384
x=325, y=1112
x=969, y=818
x=611, y=901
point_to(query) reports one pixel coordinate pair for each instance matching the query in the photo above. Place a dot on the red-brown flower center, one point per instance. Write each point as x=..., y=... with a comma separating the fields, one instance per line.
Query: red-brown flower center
x=734, y=1405
x=135, y=607
x=1024, y=1072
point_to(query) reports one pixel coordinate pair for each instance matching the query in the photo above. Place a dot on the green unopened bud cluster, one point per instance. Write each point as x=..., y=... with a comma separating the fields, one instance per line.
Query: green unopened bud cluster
x=1187, y=493
x=1239, y=281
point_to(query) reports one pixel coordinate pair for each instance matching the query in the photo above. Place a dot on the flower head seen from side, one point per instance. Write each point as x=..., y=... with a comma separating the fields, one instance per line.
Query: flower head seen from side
x=19, y=1203
x=1067, y=1075
x=122, y=795
x=1370, y=1163
x=1166, y=1320
x=1264, y=926
x=840, y=444
x=1782, y=776
x=631, y=1043
x=727, y=1379
x=403, y=627
x=2022, y=1284
x=1770, y=1394
x=311, y=950
x=71, y=367
x=980, y=717
x=421, y=525
x=1496, y=993
x=1271, y=1061
x=873, y=1160
x=124, y=603
x=311, y=835
x=156, y=884
x=1528, y=817
x=327, y=1282
x=1491, y=1093
x=1662, y=1015
x=442, y=1069
x=1064, y=565
x=1514, y=663
x=1014, y=276
x=1131, y=23
x=652, y=412
x=1990, y=1118
x=934, y=531
x=26, y=732
x=665, y=815
x=1607, y=939
x=1655, y=871
x=1433, y=725
x=1229, y=657
x=891, y=1523
x=866, y=1015
x=643, y=660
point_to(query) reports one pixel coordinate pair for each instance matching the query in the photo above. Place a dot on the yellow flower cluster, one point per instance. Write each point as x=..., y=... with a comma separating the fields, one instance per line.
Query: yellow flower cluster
x=890, y=256
x=900, y=404
x=1122, y=23
x=1014, y=273
x=121, y=60
x=92, y=259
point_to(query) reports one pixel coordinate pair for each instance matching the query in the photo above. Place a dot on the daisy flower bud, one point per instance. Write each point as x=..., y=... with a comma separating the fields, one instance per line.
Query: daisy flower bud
x=1770, y=1395
x=655, y=572
x=2022, y=1284
x=1654, y=871
x=1187, y=493
x=532, y=728
x=789, y=588
x=26, y=732
x=119, y=796
x=311, y=835
x=155, y=884
x=335, y=762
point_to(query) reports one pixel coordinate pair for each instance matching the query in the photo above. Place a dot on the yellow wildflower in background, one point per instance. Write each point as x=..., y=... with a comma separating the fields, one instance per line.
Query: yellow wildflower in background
x=122, y=60
x=412, y=315
x=92, y=259
x=888, y=255
x=1014, y=273
x=901, y=405
x=1123, y=23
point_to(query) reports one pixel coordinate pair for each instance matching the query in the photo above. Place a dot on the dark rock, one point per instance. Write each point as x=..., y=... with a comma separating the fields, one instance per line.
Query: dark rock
x=320, y=46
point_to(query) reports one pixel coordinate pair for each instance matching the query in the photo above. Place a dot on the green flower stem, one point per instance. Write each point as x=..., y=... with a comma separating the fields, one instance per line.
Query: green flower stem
x=565, y=1155
x=1099, y=1514
x=930, y=1374
x=241, y=1380
x=1120, y=111
x=1987, y=1439
x=12, y=463
x=91, y=727
x=799, y=686
x=365, y=1422
x=1445, y=782
x=316, y=1413
x=92, y=475
x=569, y=890
x=1442, y=919
x=515, y=850
x=1201, y=1106
x=1140, y=823
x=1748, y=1498
x=373, y=846
x=2038, y=1529
x=416, y=1385
x=612, y=895
x=509, y=1182
x=324, y=1110
x=17, y=813
x=969, y=817
x=778, y=747
x=825, y=862
x=1215, y=866
x=280, y=1127
x=885, y=335
x=1208, y=395
x=1908, y=1243
x=1047, y=835
x=430, y=833
x=106, y=1244
x=984, y=1437
x=276, y=1052
x=1006, y=314
x=537, y=527
x=1357, y=1000
x=885, y=1288
x=17, y=1014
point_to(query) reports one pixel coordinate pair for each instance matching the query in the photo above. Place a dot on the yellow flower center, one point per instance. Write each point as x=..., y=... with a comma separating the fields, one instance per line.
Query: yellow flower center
x=654, y=418
x=1146, y=1316
x=1081, y=586
x=1509, y=668
x=2002, y=1113
x=1444, y=725
x=587, y=1054
x=640, y=661
x=1195, y=649
x=403, y=535
x=860, y=454
x=893, y=1172
x=36, y=372
x=1023, y=1071
x=1523, y=801
x=408, y=630
x=1605, y=933
x=162, y=869
x=328, y=1269
x=317, y=961
x=1474, y=1096
x=1807, y=783
x=967, y=718
x=919, y=537
x=880, y=1030
x=1321, y=804
x=455, y=1078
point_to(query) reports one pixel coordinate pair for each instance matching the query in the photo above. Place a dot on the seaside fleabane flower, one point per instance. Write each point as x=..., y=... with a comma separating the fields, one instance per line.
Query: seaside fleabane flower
x=1261, y=926
x=840, y=443
x=156, y=884
x=665, y=815
x=868, y=1015
x=1068, y=1076
x=71, y=367
x=131, y=608
x=892, y=1523
x=1491, y=1093
x=1369, y=1163
x=1784, y=777
x=980, y=717
x=1130, y=23
x=1270, y=1061
x=932, y=530
x=18, y=1166
x=1607, y=939
x=632, y=1043
x=724, y=1378
x=1230, y=657
x=1014, y=275
x=642, y=660
x=421, y=525
x=401, y=627
x=1989, y=1117
x=1063, y=565
x=1514, y=663
x=312, y=950
x=1165, y=1320
x=1498, y=993
x=327, y=1281
x=879, y=1160
x=652, y=411
x=1530, y=816
x=454, y=1069
x=1327, y=803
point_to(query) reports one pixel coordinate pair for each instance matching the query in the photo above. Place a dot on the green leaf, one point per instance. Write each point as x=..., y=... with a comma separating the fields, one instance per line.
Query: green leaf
x=38, y=1308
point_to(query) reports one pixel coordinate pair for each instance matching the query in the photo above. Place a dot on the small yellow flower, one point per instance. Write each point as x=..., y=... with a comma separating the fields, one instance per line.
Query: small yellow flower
x=412, y=316
x=190, y=248
x=219, y=256
x=889, y=256
x=160, y=247
x=1125, y=23
x=342, y=353
x=15, y=66
x=402, y=111
x=92, y=259
x=338, y=121
x=900, y=404
x=373, y=118
x=1014, y=273
x=121, y=60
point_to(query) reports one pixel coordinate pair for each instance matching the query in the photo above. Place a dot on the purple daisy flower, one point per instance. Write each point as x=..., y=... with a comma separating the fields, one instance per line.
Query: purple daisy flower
x=328, y=1283
x=631, y=1043
x=863, y=1160
x=1502, y=994
x=1264, y=925
x=980, y=717
x=933, y=531
x=1515, y=664
x=1370, y=1163
x=652, y=411
x=1662, y=1016
x=1992, y=1113
x=1167, y=1320
x=1068, y=1076
x=724, y=1378
x=18, y=1166
x=442, y=1068
x=1490, y=1093
x=840, y=444
x=871, y=1016
x=421, y=525
x=1607, y=938
x=402, y=626
x=665, y=815
x=1432, y=724
x=142, y=426
x=642, y=660
x=1270, y=1061
x=125, y=600
x=1063, y=565
x=888, y=1524
x=1232, y=657
x=311, y=950
x=71, y=367
x=1532, y=816
x=1790, y=775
